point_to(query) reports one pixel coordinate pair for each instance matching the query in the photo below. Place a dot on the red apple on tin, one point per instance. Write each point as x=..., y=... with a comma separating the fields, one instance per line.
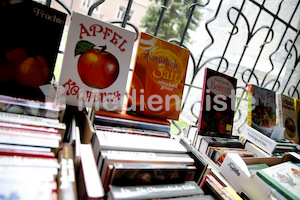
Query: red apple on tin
x=98, y=68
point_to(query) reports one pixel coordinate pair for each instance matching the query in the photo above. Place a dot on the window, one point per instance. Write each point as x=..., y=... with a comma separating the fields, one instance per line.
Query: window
x=122, y=11
x=86, y=4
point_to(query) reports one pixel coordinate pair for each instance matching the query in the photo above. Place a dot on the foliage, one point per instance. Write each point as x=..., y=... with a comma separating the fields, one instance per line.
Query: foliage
x=174, y=20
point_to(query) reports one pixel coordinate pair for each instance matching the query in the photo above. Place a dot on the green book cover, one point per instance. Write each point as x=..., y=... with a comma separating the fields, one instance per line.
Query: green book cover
x=284, y=177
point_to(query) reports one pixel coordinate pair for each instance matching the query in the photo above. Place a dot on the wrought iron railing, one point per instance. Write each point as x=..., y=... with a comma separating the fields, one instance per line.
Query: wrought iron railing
x=255, y=41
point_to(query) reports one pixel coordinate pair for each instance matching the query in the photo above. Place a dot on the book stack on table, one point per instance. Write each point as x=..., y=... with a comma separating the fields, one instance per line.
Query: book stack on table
x=31, y=133
x=145, y=166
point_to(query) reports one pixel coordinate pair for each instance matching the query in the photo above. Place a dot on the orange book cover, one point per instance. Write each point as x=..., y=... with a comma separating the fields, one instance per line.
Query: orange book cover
x=158, y=78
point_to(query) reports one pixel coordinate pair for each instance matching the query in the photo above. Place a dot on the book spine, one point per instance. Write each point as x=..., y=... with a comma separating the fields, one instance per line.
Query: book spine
x=26, y=153
x=221, y=187
x=202, y=101
x=134, y=131
x=28, y=161
x=28, y=127
x=67, y=188
x=249, y=115
x=27, y=140
x=30, y=133
x=132, y=124
x=31, y=120
x=31, y=103
x=280, y=110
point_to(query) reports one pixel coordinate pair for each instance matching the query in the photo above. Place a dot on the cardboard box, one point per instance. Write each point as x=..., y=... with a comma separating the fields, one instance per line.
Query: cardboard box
x=234, y=169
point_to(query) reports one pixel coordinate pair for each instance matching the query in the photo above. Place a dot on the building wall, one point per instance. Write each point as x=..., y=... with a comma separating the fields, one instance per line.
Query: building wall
x=108, y=10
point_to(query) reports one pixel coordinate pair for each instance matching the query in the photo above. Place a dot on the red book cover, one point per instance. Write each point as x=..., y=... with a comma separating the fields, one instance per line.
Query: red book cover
x=217, y=104
x=158, y=78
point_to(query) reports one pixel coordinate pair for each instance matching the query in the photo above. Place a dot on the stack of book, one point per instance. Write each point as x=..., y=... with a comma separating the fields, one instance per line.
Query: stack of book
x=30, y=136
x=128, y=162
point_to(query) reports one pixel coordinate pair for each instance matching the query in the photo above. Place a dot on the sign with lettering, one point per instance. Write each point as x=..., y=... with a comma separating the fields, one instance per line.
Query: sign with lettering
x=96, y=64
x=259, y=139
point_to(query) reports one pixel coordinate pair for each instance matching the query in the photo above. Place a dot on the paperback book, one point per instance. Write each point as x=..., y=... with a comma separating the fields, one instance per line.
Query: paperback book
x=284, y=177
x=261, y=109
x=286, y=116
x=96, y=64
x=158, y=78
x=217, y=104
x=29, y=47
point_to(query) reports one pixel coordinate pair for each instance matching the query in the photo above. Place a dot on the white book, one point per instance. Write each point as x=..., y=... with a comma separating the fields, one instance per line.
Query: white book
x=130, y=142
x=96, y=63
x=89, y=185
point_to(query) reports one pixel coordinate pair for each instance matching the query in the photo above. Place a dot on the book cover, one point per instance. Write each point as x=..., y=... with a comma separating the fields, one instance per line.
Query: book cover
x=286, y=116
x=297, y=112
x=95, y=64
x=187, y=188
x=158, y=78
x=261, y=109
x=217, y=104
x=284, y=177
x=29, y=47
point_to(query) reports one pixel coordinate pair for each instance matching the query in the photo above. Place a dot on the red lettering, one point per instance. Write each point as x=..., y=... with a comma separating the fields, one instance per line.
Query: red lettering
x=121, y=45
x=114, y=40
x=83, y=30
x=107, y=32
x=94, y=27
